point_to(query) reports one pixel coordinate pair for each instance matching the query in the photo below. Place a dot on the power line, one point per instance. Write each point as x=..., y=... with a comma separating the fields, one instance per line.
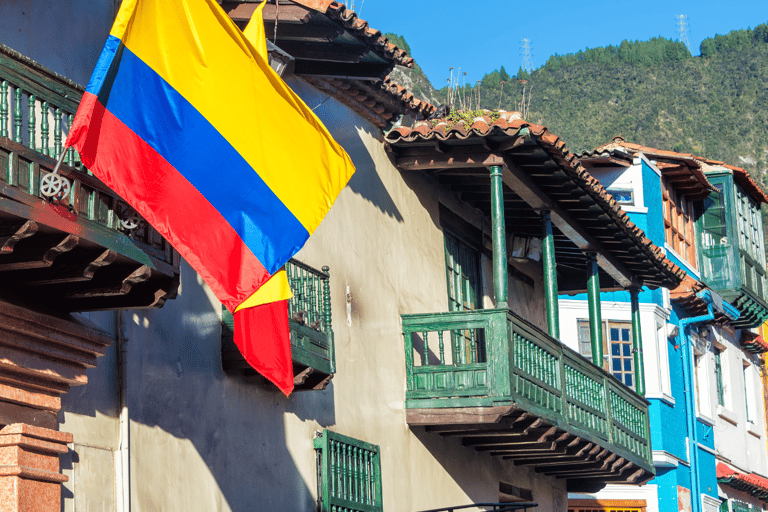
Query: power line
x=682, y=30
x=525, y=50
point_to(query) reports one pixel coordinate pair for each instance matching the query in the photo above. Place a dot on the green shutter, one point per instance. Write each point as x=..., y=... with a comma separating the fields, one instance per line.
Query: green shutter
x=348, y=474
x=719, y=378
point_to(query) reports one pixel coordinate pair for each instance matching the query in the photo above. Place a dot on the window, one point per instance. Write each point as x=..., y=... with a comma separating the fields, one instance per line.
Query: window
x=617, y=347
x=678, y=223
x=623, y=196
x=462, y=272
x=749, y=409
x=348, y=473
x=461, y=260
x=751, y=243
x=719, y=378
x=702, y=383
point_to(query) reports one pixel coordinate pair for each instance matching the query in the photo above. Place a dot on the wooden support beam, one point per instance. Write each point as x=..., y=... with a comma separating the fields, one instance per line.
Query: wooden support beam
x=500, y=448
x=140, y=275
x=453, y=160
x=69, y=243
x=73, y=274
x=7, y=242
x=519, y=181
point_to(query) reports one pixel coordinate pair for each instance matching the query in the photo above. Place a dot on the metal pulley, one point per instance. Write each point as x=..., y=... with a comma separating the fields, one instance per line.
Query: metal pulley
x=55, y=186
x=129, y=218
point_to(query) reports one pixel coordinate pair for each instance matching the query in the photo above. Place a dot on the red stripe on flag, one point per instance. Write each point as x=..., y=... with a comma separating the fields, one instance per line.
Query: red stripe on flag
x=263, y=337
x=178, y=211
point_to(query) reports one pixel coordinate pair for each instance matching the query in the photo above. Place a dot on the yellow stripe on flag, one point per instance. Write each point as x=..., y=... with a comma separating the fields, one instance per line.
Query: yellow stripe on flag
x=275, y=289
x=255, y=111
x=254, y=31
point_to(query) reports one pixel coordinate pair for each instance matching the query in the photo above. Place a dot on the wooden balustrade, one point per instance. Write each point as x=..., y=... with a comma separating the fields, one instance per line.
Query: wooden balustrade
x=524, y=367
x=107, y=264
x=309, y=314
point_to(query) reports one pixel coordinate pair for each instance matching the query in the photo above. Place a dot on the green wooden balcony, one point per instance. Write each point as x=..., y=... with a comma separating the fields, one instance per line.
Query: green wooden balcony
x=84, y=249
x=507, y=388
x=309, y=319
x=732, y=249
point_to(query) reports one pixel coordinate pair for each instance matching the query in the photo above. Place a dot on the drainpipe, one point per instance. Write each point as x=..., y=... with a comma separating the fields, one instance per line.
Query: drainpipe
x=637, y=341
x=714, y=302
x=122, y=458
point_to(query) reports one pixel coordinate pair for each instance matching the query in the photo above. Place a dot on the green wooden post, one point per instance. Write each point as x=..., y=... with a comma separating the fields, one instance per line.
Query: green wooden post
x=408, y=339
x=499, y=237
x=17, y=115
x=70, y=151
x=550, y=276
x=44, y=142
x=327, y=318
x=31, y=121
x=637, y=342
x=595, y=319
x=4, y=108
x=57, y=133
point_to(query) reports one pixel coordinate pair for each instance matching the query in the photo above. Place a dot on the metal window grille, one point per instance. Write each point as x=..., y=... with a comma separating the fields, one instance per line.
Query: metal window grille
x=348, y=474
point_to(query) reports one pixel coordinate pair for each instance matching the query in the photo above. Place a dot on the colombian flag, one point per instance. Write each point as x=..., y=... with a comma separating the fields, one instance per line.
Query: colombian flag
x=184, y=118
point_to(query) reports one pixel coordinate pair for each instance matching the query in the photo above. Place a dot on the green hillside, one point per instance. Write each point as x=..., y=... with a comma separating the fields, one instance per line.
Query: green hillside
x=651, y=92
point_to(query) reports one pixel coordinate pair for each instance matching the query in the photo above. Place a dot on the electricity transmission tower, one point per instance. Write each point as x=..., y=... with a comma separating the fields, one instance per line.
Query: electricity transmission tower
x=682, y=30
x=525, y=50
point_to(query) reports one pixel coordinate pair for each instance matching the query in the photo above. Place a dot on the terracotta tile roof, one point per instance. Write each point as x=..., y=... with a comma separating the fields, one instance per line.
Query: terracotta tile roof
x=378, y=102
x=511, y=124
x=753, y=343
x=752, y=483
x=685, y=295
x=324, y=38
x=665, y=161
x=374, y=38
x=741, y=176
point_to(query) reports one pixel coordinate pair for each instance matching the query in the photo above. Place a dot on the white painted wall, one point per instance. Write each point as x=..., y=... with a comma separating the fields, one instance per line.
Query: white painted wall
x=740, y=442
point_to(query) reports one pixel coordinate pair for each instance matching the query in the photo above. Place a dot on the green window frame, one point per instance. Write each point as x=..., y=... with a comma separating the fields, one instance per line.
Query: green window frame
x=719, y=378
x=348, y=474
x=751, y=243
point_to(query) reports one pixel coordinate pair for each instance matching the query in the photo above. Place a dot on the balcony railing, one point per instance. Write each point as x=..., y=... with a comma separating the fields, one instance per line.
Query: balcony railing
x=309, y=319
x=83, y=237
x=474, y=360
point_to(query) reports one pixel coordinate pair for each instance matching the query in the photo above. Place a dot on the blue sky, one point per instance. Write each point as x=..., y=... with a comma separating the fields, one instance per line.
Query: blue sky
x=480, y=36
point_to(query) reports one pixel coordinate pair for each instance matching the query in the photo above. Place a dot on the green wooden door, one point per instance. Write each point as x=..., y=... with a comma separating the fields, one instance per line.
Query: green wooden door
x=462, y=263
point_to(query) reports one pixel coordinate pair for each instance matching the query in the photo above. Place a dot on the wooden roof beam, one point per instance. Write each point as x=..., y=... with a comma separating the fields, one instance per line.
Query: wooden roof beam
x=524, y=186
